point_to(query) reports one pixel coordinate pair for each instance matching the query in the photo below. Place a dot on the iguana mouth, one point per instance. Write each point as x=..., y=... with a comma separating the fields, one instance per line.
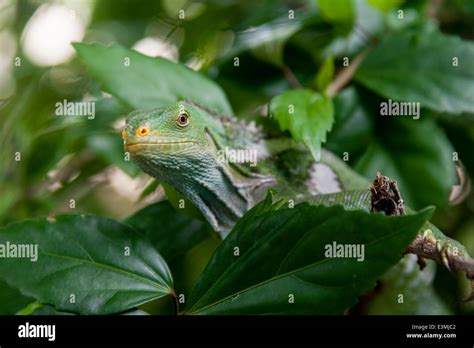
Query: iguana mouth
x=161, y=143
x=165, y=144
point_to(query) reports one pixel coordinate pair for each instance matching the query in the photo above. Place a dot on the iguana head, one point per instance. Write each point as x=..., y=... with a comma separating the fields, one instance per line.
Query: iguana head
x=178, y=144
x=166, y=136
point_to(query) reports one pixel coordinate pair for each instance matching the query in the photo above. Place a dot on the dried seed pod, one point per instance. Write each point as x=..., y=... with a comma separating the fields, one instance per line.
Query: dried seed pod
x=386, y=196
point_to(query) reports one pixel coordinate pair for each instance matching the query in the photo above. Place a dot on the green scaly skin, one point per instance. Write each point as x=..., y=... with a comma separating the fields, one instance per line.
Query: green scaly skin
x=188, y=158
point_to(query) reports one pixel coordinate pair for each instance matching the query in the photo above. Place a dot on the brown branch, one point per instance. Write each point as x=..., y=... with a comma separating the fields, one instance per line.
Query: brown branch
x=346, y=74
x=427, y=246
x=291, y=78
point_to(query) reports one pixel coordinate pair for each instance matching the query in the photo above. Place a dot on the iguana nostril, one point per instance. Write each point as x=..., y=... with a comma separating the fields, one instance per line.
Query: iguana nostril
x=124, y=134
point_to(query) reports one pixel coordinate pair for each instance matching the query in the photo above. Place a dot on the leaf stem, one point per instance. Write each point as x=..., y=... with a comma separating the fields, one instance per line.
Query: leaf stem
x=175, y=302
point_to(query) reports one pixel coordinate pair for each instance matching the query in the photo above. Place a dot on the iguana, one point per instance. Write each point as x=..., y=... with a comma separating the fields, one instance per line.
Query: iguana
x=224, y=166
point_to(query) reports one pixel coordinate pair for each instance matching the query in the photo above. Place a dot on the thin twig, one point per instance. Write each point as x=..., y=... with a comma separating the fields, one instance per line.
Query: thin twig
x=345, y=75
x=291, y=78
x=433, y=8
x=428, y=247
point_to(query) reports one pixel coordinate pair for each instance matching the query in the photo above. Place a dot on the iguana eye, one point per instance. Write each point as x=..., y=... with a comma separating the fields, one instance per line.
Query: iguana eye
x=183, y=119
x=142, y=131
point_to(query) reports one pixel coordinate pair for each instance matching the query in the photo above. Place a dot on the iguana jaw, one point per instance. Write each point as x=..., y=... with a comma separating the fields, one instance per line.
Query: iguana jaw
x=199, y=178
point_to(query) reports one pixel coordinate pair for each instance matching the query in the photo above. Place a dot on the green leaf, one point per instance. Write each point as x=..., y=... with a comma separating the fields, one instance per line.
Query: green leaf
x=337, y=10
x=418, y=67
x=10, y=195
x=369, y=22
x=69, y=137
x=307, y=115
x=415, y=153
x=325, y=74
x=353, y=124
x=359, y=198
x=107, y=111
x=109, y=147
x=266, y=41
x=149, y=188
x=171, y=232
x=85, y=258
x=135, y=312
x=48, y=310
x=146, y=82
x=288, y=249
x=11, y=300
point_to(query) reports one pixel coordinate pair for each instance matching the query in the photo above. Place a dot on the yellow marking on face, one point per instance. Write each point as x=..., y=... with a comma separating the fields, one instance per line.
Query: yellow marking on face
x=143, y=131
x=124, y=134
